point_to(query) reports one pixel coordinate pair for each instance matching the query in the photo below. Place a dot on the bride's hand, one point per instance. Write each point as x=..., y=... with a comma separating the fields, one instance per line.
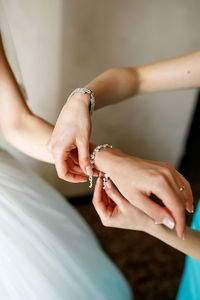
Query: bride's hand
x=115, y=211
x=72, y=131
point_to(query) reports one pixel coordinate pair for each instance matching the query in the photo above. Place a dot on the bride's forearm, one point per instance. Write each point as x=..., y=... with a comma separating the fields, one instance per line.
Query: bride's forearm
x=190, y=245
x=19, y=126
x=31, y=136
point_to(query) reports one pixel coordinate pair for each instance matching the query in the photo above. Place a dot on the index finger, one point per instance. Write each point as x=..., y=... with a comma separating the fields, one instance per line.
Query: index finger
x=63, y=168
x=174, y=204
x=99, y=198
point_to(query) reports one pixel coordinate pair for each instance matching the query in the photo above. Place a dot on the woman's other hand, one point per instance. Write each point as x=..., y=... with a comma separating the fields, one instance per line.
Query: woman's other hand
x=136, y=179
x=115, y=211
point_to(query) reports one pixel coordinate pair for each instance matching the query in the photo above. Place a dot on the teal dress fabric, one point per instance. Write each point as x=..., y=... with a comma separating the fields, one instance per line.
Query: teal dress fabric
x=190, y=284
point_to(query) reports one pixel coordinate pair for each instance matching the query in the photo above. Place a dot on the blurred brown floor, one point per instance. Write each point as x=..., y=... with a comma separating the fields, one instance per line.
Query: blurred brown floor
x=152, y=268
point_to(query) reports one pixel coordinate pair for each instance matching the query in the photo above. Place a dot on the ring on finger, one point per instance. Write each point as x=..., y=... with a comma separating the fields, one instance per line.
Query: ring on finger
x=182, y=188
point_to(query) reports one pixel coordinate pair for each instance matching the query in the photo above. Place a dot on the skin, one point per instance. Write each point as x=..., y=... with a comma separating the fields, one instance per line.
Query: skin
x=19, y=126
x=115, y=211
x=160, y=179
x=111, y=87
x=29, y=133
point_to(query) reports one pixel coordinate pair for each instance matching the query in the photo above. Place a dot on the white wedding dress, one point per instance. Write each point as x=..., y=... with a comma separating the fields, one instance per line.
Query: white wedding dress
x=47, y=251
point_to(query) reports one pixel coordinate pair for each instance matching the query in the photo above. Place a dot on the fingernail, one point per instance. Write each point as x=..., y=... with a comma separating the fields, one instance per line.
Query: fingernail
x=108, y=184
x=157, y=223
x=99, y=174
x=192, y=208
x=89, y=171
x=168, y=223
x=183, y=236
x=98, y=180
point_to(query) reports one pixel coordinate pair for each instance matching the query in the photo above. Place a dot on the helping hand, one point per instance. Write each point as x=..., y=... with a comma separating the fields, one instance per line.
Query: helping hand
x=72, y=132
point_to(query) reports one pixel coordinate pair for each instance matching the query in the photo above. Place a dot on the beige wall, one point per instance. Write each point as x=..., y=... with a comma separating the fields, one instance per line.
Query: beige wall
x=61, y=45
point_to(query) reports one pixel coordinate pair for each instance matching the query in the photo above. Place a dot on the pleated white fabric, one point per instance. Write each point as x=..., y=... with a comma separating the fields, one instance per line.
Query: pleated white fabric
x=47, y=251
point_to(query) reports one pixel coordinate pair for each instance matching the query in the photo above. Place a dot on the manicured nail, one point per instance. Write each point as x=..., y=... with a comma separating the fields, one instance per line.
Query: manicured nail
x=108, y=184
x=98, y=180
x=157, y=223
x=183, y=236
x=89, y=171
x=192, y=208
x=168, y=223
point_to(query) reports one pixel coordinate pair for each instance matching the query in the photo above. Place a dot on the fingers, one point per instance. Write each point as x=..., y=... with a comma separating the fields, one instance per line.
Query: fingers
x=84, y=156
x=115, y=195
x=63, y=170
x=74, y=168
x=65, y=167
x=187, y=193
x=159, y=214
x=172, y=198
x=177, y=181
x=99, y=199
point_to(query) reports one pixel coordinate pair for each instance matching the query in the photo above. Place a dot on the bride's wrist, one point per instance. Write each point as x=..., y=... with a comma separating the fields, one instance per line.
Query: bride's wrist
x=107, y=160
x=79, y=99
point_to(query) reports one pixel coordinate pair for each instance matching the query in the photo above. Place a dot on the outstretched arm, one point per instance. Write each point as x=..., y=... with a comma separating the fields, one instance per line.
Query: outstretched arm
x=113, y=86
x=119, y=84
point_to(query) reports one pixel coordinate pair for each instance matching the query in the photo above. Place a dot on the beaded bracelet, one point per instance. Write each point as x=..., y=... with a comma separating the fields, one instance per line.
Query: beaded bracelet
x=85, y=91
x=92, y=160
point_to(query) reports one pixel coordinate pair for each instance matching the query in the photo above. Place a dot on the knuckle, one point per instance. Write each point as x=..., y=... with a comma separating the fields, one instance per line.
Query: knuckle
x=61, y=175
x=167, y=169
x=168, y=165
x=105, y=221
x=83, y=139
x=55, y=149
x=159, y=179
x=188, y=185
x=179, y=207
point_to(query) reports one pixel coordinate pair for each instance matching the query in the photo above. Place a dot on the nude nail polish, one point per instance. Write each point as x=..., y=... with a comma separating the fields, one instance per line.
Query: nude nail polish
x=108, y=184
x=157, y=223
x=89, y=171
x=168, y=223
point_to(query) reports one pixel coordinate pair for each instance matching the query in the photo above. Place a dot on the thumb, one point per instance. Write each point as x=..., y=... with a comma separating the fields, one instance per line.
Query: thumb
x=84, y=157
x=115, y=195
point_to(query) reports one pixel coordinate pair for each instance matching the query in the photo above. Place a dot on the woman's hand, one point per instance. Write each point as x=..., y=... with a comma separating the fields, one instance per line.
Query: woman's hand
x=115, y=211
x=136, y=179
x=72, y=131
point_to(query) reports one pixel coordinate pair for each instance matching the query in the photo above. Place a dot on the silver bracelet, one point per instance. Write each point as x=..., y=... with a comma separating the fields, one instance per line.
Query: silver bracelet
x=85, y=91
x=92, y=160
